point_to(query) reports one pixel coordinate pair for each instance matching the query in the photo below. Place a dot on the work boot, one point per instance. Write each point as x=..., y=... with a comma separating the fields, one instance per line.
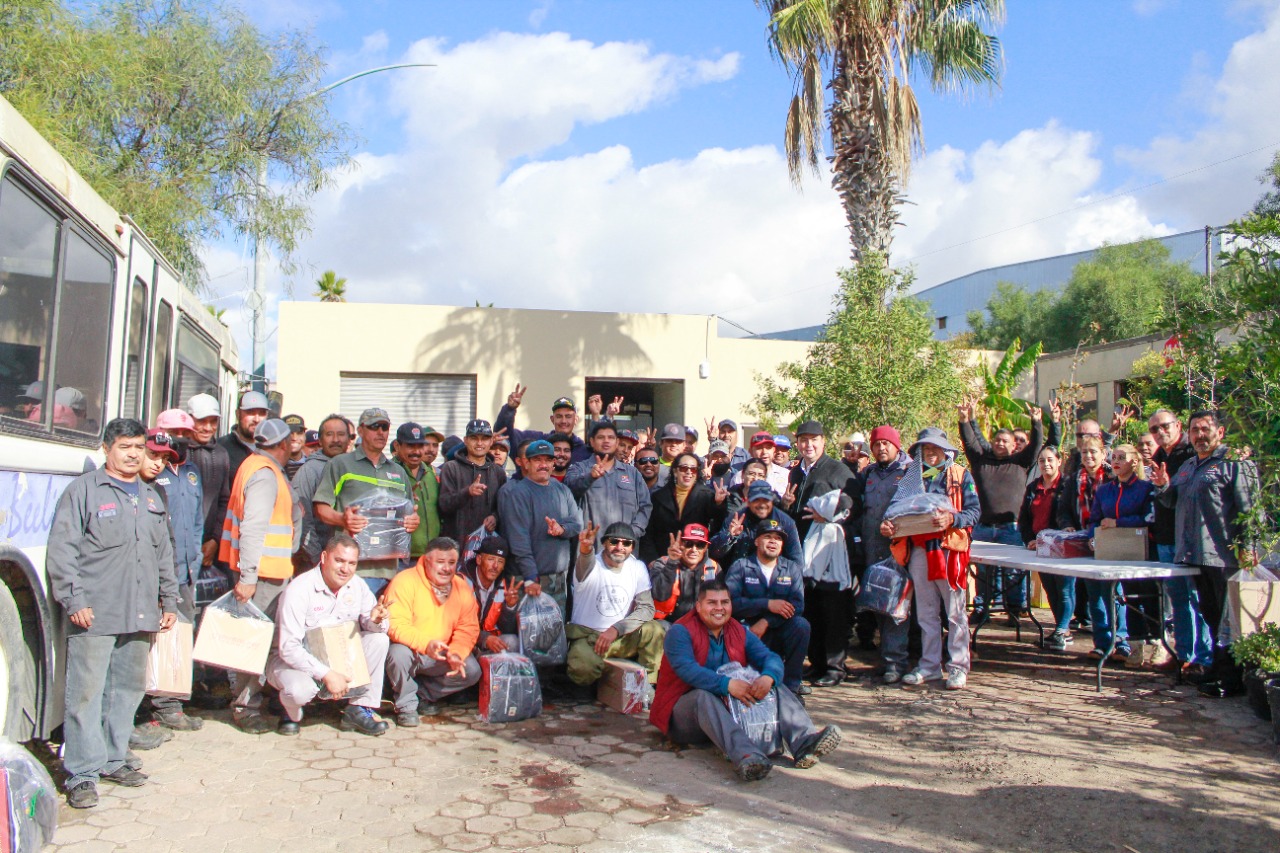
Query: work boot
x=83, y=796
x=358, y=718
x=149, y=736
x=753, y=769
x=178, y=720
x=254, y=724
x=824, y=742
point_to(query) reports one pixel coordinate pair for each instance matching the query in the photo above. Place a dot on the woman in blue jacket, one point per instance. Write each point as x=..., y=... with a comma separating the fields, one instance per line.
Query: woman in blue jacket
x=1125, y=500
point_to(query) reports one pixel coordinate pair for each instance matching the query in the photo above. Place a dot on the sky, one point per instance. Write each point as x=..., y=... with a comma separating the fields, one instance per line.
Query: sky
x=627, y=156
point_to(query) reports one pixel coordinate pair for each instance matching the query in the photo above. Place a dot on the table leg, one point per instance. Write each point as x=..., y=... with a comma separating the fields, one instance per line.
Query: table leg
x=1111, y=613
x=985, y=611
x=1164, y=640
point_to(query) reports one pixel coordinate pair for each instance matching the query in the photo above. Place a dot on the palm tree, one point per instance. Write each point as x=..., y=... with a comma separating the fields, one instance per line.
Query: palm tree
x=330, y=288
x=871, y=48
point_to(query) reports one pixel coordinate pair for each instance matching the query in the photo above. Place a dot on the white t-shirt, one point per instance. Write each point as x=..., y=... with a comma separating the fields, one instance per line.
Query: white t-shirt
x=767, y=571
x=604, y=598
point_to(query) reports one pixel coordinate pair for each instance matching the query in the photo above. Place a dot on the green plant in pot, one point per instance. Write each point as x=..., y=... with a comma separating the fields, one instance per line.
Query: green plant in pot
x=1259, y=654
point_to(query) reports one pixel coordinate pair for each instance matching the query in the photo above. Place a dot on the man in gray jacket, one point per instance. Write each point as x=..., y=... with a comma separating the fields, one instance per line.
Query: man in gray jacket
x=110, y=565
x=607, y=489
x=1211, y=494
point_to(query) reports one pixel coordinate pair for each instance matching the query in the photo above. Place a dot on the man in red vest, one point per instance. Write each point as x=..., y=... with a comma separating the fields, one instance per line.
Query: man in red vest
x=690, y=704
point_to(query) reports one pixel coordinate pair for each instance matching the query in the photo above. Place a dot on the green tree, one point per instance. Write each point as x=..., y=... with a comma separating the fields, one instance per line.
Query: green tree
x=331, y=288
x=1013, y=313
x=1001, y=409
x=875, y=363
x=1269, y=204
x=167, y=108
x=871, y=48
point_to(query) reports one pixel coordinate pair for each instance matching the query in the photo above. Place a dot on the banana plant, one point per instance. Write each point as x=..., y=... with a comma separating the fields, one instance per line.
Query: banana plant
x=1002, y=410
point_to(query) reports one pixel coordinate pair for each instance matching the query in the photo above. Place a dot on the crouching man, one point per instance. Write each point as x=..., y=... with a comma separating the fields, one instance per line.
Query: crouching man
x=321, y=597
x=497, y=596
x=689, y=705
x=612, y=607
x=434, y=628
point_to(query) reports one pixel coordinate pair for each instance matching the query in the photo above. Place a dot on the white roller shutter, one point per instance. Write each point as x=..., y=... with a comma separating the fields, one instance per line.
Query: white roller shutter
x=442, y=402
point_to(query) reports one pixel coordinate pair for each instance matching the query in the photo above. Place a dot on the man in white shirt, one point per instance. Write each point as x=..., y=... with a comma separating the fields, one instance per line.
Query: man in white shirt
x=319, y=598
x=612, y=607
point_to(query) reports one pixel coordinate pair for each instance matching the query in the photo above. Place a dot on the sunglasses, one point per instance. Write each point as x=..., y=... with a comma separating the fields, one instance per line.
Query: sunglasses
x=378, y=427
x=686, y=467
x=1164, y=427
x=693, y=543
x=648, y=460
x=614, y=540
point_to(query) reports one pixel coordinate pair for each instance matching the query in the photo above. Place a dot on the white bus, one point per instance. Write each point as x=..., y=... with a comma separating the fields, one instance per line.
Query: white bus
x=94, y=324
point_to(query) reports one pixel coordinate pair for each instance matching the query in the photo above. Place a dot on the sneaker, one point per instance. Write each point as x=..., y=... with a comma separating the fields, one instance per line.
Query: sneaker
x=825, y=742
x=83, y=796
x=1121, y=654
x=408, y=719
x=803, y=690
x=254, y=724
x=957, y=679
x=1096, y=654
x=149, y=736
x=178, y=721
x=753, y=769
x=1057, y=642
x=125, y=777
x=358, y=718
x=892, y=676
x=918, y=676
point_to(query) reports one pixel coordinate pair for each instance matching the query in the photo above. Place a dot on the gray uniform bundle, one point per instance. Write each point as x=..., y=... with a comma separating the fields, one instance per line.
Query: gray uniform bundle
x=759, y=721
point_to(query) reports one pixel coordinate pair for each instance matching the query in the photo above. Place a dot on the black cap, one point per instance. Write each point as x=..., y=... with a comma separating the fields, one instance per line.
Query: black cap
x=769, y=525
x=563, y=403
x=295, y=423
x=619, y=530
x=411, y=433
x=810, y=428
x=312, y=437
x=494, y=545
x=479, y=426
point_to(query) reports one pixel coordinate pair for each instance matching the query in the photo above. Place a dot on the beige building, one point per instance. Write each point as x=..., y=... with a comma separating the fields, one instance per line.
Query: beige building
x=1102, y=371
x=443, y=365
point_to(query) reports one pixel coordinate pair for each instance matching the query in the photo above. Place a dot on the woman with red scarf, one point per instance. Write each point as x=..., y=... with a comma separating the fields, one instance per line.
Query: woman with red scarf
x=1040, y=512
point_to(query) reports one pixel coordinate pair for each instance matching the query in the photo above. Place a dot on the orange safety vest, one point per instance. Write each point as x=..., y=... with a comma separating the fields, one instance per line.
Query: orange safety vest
x=276, y=562
x=953, y=538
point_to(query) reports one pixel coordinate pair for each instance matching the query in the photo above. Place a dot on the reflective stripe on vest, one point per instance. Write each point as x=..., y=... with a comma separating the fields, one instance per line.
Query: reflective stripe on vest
x=276, y=562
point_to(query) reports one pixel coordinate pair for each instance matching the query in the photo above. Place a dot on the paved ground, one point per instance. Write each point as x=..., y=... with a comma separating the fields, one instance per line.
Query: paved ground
x=1029, y=758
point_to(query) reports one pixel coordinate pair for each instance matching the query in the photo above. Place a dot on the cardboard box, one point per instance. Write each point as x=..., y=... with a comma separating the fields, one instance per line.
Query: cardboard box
x=233, y=642
x=1251, y=603
x=169, y=662
x=917, y=524
x=339, y=648
x=622, y=686
x=1120, y=544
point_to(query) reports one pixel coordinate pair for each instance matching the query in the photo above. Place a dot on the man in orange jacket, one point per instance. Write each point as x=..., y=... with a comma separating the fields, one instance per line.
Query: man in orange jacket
x=434, y=628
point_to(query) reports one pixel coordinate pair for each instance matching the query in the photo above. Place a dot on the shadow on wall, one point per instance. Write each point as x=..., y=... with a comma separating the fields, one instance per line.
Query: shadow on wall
x=553, y=350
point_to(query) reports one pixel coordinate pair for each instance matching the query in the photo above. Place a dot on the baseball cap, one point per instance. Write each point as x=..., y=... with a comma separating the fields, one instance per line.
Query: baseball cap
x=158, y=441
x=311, y=439
x=411, y=433
x=672, y=432
x=628, y=435
x=695, y=533
x=34, y=391
x=374, y=416
x=810, y=428
x=761, y=438
x=539, y=448
x=495, y=546
x=782, y=441
x=480, y=426
x=718, y=446
x=72, y=398
x=296, y=423
x=563, y=403
x=203, y=406
x=174, y=419
x=760, y=490
x=271, y=432
x=728, y=423
x=251, y=400
x=619, y=530
x=770, y=525
x=691, y=431
x=503, y=442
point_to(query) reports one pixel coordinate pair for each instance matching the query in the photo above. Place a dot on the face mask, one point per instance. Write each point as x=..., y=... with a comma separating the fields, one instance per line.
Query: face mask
x=181, y=445
x=719, y=468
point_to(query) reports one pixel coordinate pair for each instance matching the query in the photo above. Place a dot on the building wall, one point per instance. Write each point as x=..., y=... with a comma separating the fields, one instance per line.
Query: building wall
x=1103, y=366
x=553, y=352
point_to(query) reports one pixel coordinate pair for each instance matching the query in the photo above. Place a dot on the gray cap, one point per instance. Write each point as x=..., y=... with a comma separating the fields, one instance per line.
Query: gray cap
x=619, y=530
x=251, y=400
x=34, y=391
x=672, y=432
x=718, y=446
x=203, y=406
x=374, y=416
x=934, y=436
x=72, y=398
x=271, y=432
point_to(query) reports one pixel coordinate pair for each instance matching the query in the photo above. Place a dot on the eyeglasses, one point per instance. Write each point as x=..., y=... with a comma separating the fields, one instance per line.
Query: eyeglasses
x=378, y=427
x=693, y=543
x=1167, y=426
x=686, y=467
x=648, y=460
x=614, y=540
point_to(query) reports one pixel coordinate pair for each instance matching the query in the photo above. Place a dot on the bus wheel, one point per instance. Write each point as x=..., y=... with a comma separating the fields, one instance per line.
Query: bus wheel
x=17, y=674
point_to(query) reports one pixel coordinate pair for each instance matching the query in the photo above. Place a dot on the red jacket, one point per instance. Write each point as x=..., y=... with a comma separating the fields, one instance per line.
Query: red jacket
x=670, y=687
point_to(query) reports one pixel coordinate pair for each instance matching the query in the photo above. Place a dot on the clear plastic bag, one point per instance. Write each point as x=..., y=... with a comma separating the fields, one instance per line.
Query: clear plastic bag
x=384, y=537
x=917, y=504
x=1063, y=543
x=542, y=631
x=169, y=668
x=509, y=688
x=759, y=721
x=472, y=545
x=30, y=801
x=885, y=588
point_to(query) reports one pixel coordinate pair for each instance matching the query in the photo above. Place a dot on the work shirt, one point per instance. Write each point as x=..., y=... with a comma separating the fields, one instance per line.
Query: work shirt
x=110, y=551
x=1211, y=498
x=617, y=495
x=315, y=533
x=306, y=603
x=751, y=588
x=339, y=487
x=183, y=497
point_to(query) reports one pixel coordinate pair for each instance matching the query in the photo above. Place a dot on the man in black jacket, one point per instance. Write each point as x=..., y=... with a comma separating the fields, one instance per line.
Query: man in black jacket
x=826, y=605
x=1000, y=473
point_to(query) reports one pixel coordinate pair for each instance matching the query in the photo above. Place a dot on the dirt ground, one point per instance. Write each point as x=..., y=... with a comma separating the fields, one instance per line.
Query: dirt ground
x=1029, y=758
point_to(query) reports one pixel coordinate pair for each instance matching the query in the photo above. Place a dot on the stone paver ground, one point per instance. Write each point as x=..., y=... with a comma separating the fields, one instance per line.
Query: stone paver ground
x=1028, y=758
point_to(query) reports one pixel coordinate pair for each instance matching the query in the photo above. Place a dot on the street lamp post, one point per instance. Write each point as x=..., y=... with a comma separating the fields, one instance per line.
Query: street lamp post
x=258, y=299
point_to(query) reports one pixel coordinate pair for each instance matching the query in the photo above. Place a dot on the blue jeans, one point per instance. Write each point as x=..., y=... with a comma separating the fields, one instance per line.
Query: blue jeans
x=996, y=583
x=1190, y=631
x=1061, y=592
x=1101, y=618
x=106, y=677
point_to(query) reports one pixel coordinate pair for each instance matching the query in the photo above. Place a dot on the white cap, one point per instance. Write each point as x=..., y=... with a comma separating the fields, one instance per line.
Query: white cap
x=203, y=406
x=858, y=438
x=72, y=398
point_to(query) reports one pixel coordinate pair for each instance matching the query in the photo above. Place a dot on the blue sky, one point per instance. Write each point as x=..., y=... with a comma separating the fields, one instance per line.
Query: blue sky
x=626, y=155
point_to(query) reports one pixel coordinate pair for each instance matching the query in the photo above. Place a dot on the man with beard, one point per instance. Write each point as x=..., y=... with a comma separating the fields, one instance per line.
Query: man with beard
x=562, y=445
x=253, y=410
x=650, y=467
x=727, y=431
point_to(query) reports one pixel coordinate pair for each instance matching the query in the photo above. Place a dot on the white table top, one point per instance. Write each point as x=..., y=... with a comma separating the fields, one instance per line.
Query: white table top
x=1013, y=557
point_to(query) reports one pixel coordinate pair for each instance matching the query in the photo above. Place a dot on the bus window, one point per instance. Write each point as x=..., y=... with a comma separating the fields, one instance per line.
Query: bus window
x=28, y=269
x=197, y=370
x=137, y=342
x=83, y=326
x=160, y=361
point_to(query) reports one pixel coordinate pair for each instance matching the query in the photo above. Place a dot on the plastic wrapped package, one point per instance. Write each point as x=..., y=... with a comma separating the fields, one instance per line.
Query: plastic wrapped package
x=211, y=584
x=912, y=514
x=509, y=688
x=885, y=588
x=759, y=721
x=1062, y=543
x=472, y=545
x=542, y=631
x=384, y=537
x=234, y=635
x=169, y=661
x=30, y=801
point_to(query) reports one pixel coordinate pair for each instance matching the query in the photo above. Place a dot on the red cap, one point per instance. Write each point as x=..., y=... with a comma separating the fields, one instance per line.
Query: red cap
x=695, y=533
x=158, y=441
x=762, y=438
x=886, y=433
